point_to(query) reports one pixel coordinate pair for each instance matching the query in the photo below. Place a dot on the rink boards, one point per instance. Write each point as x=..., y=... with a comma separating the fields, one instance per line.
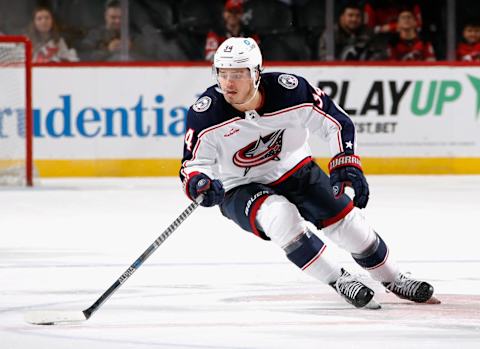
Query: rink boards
x=130, y=120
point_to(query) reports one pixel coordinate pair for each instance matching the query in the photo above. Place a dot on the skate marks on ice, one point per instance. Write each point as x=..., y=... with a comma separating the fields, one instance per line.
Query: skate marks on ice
x=269, y=315
x=455, y=310
x=462, y=310
x=242, y=314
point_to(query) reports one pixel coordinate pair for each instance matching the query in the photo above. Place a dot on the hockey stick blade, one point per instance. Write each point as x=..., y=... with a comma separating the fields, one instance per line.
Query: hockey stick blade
x=51, y=317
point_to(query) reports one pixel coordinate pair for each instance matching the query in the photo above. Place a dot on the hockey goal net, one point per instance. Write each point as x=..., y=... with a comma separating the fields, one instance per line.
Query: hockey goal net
x=15, y=111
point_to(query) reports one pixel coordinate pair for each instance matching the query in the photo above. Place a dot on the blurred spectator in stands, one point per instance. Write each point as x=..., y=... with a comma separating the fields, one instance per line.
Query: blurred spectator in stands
x=103, y=43
x=408, y=46
x=469, y=48
x=381, y=16
x=48, y=45
x=232, y=27
x=353, y=40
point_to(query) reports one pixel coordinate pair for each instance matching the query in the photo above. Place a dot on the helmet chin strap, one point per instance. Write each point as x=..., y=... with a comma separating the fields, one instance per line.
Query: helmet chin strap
x=251, y=98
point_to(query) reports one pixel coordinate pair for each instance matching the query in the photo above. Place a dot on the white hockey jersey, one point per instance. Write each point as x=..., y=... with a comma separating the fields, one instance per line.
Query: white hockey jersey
x=262, y=145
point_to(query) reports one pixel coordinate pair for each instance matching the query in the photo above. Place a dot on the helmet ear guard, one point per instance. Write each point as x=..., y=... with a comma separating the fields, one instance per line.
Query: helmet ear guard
x=255, y=78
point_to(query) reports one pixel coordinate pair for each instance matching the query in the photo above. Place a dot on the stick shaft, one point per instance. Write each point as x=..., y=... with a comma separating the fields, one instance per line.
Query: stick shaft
x=147, y=253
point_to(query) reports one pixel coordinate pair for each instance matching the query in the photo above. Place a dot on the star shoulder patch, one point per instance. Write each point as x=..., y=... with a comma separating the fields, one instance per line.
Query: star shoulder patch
x=288, y=81
x=202, y=104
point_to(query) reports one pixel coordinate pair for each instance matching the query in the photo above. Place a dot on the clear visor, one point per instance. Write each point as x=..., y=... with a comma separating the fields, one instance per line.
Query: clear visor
x=233, y=74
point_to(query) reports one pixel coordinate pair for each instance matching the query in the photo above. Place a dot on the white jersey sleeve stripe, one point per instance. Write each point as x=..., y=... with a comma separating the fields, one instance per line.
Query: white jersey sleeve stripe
x=339, y=144
x=339, y=148
x=329, y=117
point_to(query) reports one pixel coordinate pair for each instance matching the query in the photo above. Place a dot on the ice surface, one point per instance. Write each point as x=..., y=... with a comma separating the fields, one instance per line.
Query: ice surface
x=211, y=285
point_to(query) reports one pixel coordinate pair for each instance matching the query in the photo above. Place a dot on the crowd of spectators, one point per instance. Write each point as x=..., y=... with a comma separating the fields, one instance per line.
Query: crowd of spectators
x=161, y=30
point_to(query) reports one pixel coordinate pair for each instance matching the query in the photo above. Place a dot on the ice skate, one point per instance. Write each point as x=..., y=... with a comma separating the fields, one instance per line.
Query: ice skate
x=354, y=292
x=407, y=288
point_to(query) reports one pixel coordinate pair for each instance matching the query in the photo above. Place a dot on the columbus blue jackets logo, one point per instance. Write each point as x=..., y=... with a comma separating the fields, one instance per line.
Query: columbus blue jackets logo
x=259, y=152
x=202, y=104
x=288, y=81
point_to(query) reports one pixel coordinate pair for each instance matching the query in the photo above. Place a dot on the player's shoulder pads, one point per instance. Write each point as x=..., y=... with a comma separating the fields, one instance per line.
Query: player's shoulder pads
x=206, y=103
x=209, y=109
x=202, y=104
x=288, y=81
x=285, y=90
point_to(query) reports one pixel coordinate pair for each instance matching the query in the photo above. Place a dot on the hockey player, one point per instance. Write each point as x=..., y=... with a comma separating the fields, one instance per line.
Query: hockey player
x=246, y=149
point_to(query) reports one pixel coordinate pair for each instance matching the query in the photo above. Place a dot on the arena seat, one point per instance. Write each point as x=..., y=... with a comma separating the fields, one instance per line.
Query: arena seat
x=157, y=14
x=311, y=16
x=15, y=16
x=77, y=17
x=267, y=16
x=290, y=46
x=81, y=14
x=310, y=20
x=200, y=16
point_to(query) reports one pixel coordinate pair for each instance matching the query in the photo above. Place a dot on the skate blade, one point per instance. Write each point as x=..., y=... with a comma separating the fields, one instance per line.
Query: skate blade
x=433, y=300
x=372, y=305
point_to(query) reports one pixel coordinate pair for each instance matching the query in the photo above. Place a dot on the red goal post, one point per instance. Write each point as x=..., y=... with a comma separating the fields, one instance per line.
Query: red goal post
x=16, y=129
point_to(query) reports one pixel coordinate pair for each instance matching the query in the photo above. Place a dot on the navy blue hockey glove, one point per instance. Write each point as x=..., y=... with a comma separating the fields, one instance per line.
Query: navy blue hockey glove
x=346, y=170
x=212, y=190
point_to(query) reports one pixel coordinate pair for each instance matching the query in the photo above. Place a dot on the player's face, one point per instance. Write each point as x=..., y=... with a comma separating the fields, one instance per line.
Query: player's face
x=471, y=34
x=43, y=21
x=236, y=84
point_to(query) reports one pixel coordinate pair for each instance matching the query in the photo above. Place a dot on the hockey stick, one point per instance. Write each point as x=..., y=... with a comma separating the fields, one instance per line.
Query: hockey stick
x=51, y=317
